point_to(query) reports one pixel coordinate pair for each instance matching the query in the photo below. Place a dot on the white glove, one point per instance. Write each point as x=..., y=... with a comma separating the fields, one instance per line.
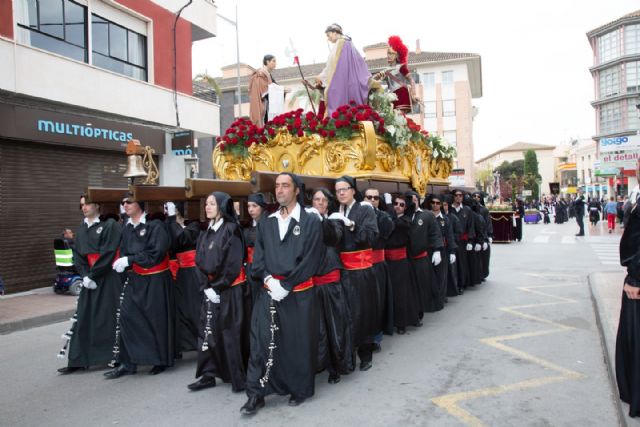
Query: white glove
x=365, y=203
x=477, y=247
x=122, y=212
x=469, y=246
x=341, y=217
x=452, y=258
x=277, y=292
x=88, y=283
x=170, y=207
x=436, y=258
x=485, y=245
x=313, y=210
x=120, y=264
x=212, y=296
x=490, y=239
x=387, y=198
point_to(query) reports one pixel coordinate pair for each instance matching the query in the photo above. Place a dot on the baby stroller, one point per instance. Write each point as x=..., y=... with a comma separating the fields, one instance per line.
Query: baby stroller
x=67, y=280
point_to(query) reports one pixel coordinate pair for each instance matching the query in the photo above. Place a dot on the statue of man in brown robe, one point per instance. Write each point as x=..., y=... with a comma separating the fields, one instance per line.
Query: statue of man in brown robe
x=259, y=91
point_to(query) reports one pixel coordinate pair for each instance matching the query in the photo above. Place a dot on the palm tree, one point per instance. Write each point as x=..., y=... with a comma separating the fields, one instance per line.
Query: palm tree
x=301, y=96
x=208, y=80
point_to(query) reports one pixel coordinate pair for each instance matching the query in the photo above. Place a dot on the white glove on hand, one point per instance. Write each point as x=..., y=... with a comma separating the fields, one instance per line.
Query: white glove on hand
x=452, y=258
x=337, y=215
x=365, y=203
x=436, y=258
x=120, y=264
x=469, y=246
x=490, y=239
x=387, y=198
x=485, y=245
x=313, y=210
x=212, y=296
x=88, y=283
x=277, y=292
x=477, y=247
x=170, y=208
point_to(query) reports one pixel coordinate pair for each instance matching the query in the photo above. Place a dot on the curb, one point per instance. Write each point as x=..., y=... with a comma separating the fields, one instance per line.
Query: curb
x=21, y=325
x=606, y=353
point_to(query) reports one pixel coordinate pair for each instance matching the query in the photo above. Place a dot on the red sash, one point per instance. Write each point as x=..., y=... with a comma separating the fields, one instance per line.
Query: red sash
x=250, y=250
x=330, y=277
x=242, y=277
x=421, y=255
x=357, y=260
x=307, y=284
x=187, y=258
x=377, y=256
x=93, y=258
x=173, y=268
x=396, y=254
x=158, y=268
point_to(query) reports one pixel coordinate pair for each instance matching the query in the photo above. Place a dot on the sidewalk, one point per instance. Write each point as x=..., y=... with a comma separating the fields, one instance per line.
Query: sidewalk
x=34, y=308
x=606, y=293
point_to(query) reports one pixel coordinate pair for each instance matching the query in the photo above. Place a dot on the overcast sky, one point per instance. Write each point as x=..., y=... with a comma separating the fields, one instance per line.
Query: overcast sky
x=535, y=55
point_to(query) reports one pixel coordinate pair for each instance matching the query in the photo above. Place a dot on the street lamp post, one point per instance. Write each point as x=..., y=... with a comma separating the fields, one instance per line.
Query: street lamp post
x=235, y=24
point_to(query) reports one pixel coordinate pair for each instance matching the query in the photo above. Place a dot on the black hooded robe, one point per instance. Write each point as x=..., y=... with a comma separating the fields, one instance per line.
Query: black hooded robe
x=296, y=259
x=381, y=270
x=453, y=287
x=468, y=235
x=449, y=247
x=424, y=239
x=93, y=333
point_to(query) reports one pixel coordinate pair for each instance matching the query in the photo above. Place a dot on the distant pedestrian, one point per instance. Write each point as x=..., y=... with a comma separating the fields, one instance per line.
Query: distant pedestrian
x=1, y=286
x=611, y=211
x=579, y=211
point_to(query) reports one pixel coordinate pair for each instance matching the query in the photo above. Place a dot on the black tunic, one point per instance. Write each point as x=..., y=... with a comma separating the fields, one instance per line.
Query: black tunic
x=381, y=270
x=296, y=258
x=405, y=292
x=475, y=257
x=188, y=296
x=486, y=254
x=449, y=247
x=453, y=287
x=93, y=332
x=468, y=235
x=335, y=347
x=628, y=338
x=424, y=237
x=147, y=313
x=361, y=285
x=219, y=257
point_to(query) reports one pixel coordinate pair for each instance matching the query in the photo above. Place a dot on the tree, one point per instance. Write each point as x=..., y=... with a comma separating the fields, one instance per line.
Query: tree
x=531, y=175
x=484, y=179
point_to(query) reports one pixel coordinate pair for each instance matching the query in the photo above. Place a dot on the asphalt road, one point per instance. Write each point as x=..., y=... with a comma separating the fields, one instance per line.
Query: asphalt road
x=522, y=349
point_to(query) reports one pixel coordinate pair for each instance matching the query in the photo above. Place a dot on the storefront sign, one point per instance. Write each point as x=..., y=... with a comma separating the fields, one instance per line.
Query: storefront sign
x=620, y=143
x=456, y=179
x=624, y=160
x=17, y=122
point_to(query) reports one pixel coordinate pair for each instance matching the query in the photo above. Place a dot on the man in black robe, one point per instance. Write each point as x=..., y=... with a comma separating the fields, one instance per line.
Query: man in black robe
x=580, y=208
x=146, y=323
x=359, y=279
x=453, y=288
x=485, y=254
x=475, y=257
x=284, y=322
x=628, y=338
x=449, y=245
x=96, y=244
x=465, y=245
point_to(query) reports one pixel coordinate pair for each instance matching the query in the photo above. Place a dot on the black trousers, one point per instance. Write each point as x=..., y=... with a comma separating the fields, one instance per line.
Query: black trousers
x=580, y=221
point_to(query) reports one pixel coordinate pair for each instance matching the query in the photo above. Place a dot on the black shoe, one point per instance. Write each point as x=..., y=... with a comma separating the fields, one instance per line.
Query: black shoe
x=252, y=405
x=580, y=234
x=419, y=323
x=69, y=369
x=295, y=401
x=401, y=331
x=365, y=366
x=334, y=378
x=118, y=372
x=157, y=369
x=377, y=348
x=202, y=383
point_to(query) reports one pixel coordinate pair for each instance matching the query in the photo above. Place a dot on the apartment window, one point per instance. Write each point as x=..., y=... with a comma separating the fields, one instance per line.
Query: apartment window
x=430, y=109
x=58, y=26
x=610, y=118
x=451, y=137
x=609, y=82
x=244, y=96
x=633, y=76
x=632, y=39
x=447, y=77
x=633, y=114
x=118, y=49
x=609, y=46
x=448, y=107
x=429, y=79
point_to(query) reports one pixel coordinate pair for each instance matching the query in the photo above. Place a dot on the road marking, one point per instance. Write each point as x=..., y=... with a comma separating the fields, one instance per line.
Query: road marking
x=568, y=240
x=450, y=402
x=541, y=239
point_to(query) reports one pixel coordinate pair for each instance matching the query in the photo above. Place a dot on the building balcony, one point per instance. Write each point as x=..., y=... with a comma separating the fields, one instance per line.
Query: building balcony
x=52, y=77
x=202, y=14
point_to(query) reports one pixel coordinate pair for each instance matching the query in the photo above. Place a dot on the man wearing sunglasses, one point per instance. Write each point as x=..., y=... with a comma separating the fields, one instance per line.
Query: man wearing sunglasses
x=465, y=245
x=359, y=280
x=449, y=249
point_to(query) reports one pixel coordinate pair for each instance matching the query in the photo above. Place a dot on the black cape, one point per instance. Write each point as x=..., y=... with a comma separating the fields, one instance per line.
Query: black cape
x=425, y=236
x=468, y=234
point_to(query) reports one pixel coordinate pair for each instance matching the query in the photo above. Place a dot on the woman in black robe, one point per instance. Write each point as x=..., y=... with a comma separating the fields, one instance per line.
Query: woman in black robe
x=335, y=349
x=96, y=243
x=453, y=286
x=220, y=257
x=405, y=293
x=188, y=295
x=146, y=335
x=628, y=338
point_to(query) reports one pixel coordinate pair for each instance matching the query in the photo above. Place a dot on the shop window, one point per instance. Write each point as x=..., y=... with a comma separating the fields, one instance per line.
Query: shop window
x=58, y=26
x=118, y=49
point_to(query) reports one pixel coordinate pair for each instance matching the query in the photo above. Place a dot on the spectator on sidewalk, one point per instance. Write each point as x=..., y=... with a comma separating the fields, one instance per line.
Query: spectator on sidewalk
x=611, y=211
x=579, y=211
